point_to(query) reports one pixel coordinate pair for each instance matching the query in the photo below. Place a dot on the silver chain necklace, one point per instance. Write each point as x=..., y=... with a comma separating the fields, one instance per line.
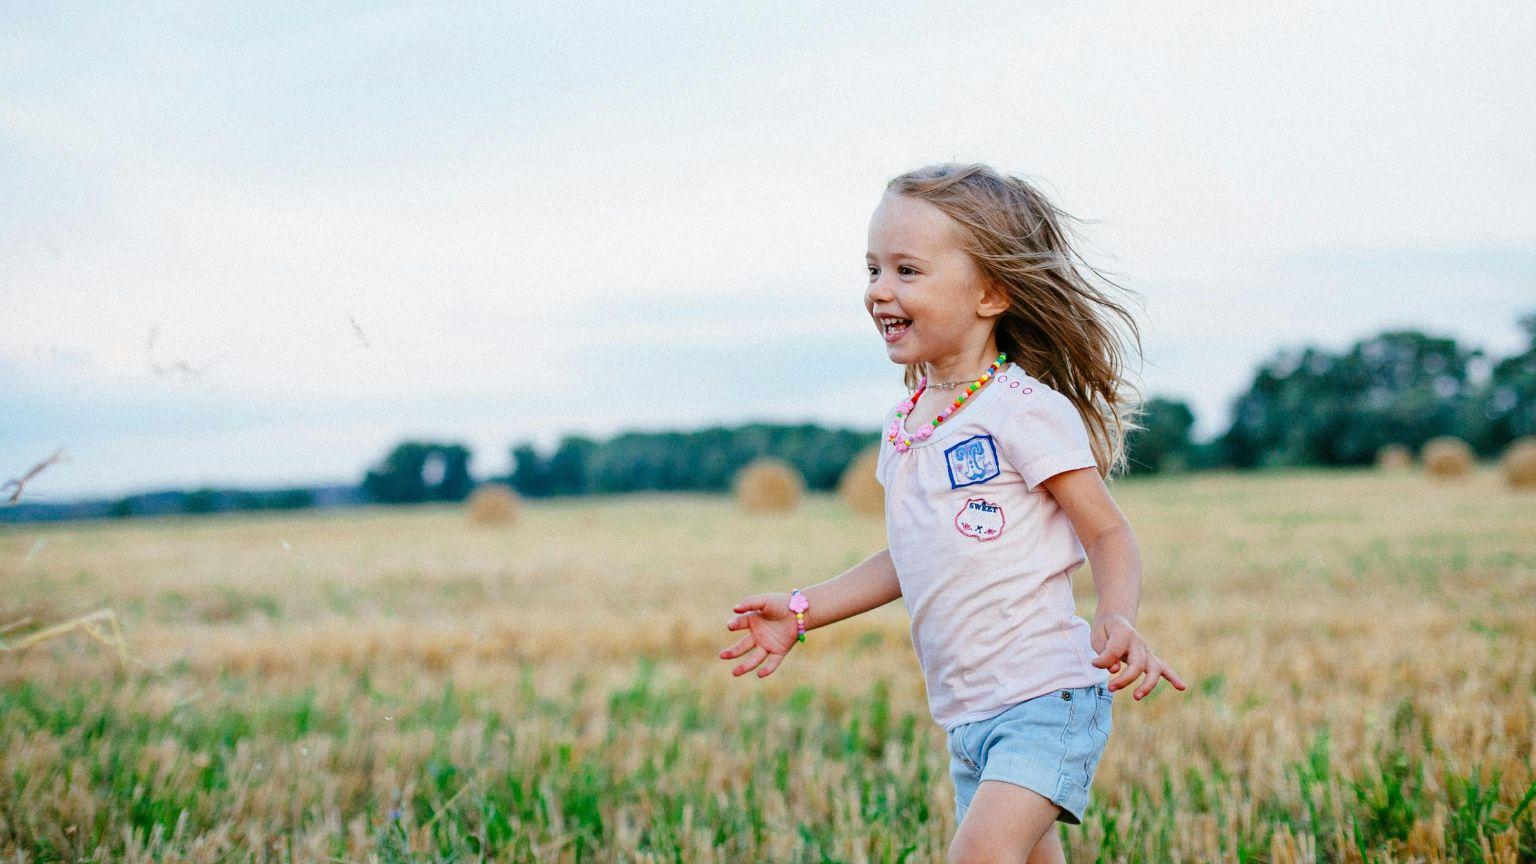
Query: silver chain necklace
x=949, y=385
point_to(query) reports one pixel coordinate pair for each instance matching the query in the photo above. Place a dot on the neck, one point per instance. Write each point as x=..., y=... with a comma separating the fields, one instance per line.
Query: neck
x=966, y=366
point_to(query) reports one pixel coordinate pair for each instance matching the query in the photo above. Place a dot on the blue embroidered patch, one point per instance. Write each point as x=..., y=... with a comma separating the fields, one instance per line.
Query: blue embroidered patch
x=972, y=461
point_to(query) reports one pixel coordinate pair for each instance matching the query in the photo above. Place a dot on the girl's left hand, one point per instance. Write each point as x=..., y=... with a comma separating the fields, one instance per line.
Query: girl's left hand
x=1118, y=643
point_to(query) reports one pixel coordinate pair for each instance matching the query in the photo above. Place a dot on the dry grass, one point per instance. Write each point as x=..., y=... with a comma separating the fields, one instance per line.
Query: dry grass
x=100, y=625
x=21, y=482
x=354, y=684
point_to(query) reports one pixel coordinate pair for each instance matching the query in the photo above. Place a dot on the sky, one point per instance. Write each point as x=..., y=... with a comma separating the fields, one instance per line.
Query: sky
x=258, y=244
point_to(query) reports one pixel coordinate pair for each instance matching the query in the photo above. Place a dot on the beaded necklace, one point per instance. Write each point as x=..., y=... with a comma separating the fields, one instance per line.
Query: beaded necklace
x=898, y=437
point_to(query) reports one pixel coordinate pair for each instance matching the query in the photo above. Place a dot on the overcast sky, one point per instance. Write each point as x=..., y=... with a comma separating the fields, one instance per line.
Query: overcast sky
x=502, y=222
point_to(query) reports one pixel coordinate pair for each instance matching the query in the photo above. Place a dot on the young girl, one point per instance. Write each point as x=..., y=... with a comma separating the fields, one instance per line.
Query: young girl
x=994, y=493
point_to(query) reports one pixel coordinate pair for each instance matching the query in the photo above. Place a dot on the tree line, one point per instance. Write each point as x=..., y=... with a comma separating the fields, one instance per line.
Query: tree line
x=1304, y=407
x=1307, y=407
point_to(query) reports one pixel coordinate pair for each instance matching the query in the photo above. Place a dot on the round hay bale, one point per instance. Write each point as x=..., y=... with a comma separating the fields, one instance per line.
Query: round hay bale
x=493, y=504
x=859, y=488
x=768, y=485
x=1446, y=457
x=1519, y=462
x=1394, y=457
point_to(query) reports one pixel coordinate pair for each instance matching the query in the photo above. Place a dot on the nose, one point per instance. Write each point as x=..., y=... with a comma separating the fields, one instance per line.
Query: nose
x=877, y=292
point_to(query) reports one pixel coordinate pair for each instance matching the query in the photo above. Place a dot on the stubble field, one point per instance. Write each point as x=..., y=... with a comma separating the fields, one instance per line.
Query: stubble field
x=402, y=685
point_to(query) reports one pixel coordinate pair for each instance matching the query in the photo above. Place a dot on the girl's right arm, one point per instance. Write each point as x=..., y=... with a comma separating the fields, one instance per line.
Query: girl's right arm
x=772, y=632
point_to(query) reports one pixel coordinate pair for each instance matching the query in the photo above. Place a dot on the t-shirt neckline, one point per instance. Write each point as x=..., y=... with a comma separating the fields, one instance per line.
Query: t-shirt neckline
x=969, y=405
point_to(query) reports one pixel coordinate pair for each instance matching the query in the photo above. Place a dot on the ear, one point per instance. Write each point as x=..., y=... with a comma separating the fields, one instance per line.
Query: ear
x=993, y=300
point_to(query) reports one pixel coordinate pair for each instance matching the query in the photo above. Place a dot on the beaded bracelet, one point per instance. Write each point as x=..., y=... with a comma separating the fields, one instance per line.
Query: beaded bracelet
x=798, y=604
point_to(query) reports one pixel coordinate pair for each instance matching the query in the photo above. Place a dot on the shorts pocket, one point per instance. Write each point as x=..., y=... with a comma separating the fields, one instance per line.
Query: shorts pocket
x=1099, y=725
x=957, y=751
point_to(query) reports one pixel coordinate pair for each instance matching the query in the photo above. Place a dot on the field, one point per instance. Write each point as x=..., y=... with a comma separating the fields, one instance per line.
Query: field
x=385, y=685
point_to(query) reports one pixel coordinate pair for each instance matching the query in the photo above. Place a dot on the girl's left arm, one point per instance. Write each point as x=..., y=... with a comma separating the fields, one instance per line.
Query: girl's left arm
x=1112, y=552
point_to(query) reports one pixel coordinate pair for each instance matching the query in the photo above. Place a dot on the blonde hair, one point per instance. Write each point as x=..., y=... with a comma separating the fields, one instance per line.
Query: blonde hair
x=1058, y=325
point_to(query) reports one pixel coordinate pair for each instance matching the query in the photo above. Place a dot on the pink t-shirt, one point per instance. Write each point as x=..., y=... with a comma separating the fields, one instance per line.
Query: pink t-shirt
x=984, y=554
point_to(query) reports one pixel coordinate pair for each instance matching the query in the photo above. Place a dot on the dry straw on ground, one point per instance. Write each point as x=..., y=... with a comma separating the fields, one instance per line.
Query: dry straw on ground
x=1519, y=463
x=493, y=504
x=405, y=654
x=859, y=488
x=1394, y=457
x=768, y=485
x=1446, y=457
x=101, y=625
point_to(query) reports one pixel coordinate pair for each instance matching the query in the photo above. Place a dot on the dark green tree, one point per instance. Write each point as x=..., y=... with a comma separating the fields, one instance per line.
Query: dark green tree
x=201, y=501
x=1321, y=408
x=530, y=475
x=292, y=499
x=417, y=471
x=1508, y=404
x=567, y=468
x=1164, y=443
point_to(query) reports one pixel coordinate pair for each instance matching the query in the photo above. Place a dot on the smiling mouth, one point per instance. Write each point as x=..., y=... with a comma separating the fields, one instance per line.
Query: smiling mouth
x=894, y=328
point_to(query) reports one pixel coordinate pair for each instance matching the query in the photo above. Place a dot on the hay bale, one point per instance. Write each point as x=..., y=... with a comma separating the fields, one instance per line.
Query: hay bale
x=1394, y=457
x=768, y=485
x=1446, y=457
x=859, y=488
x=1519, y=463
x=493, y=504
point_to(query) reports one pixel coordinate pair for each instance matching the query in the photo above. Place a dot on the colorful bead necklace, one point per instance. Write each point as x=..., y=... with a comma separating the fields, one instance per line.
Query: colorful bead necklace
x=898, y=436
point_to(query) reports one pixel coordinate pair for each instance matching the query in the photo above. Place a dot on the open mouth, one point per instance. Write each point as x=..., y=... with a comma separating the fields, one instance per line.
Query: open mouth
x=894, y=328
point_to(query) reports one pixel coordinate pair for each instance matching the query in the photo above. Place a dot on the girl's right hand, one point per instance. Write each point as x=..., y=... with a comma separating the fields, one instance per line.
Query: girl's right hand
x=771, y=632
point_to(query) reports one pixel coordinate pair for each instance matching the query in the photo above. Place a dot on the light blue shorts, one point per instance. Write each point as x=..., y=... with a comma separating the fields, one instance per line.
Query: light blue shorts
x=1050, y=744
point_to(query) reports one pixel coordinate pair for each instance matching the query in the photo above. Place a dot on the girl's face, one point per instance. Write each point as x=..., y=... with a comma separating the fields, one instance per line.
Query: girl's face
x=927, y=297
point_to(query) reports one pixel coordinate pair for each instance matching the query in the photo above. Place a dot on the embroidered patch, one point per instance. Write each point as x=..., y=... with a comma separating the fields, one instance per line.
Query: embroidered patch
x=972, y=461
x=980, y=518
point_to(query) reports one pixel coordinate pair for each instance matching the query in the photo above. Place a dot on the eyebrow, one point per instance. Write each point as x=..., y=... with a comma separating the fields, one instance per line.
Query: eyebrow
x=901, y=255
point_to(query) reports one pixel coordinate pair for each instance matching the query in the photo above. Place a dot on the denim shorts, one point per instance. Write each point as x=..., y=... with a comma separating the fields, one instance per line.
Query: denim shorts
x=1050, y=744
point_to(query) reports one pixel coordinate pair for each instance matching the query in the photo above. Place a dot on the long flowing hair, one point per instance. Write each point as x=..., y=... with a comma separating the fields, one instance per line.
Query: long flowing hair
x=1059, y=326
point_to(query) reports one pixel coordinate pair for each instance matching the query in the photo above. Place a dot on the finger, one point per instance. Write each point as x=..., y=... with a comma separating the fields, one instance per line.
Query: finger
x=770, y=664
x=1113, y=650
x=755, y=601
x=747, y=665
x=1150, y=682
x=740, y=648
x=739, y=621
x=1134, y=666
x=1173, y=677
x=1127, y=677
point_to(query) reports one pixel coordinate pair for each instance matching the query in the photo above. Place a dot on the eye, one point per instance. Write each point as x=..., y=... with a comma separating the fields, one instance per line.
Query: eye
x=904, y=267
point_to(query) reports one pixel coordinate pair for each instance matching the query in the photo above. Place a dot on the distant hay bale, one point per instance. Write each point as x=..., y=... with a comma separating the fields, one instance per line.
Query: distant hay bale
x=1446, y=457
x=493, y=504
x=1519, y=462
x=1394, y=457
x=859, y=488
x=768, y=485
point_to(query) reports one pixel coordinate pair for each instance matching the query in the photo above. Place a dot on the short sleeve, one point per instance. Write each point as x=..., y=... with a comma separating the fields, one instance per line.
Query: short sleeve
x=886, y=450
x=1045, y=437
